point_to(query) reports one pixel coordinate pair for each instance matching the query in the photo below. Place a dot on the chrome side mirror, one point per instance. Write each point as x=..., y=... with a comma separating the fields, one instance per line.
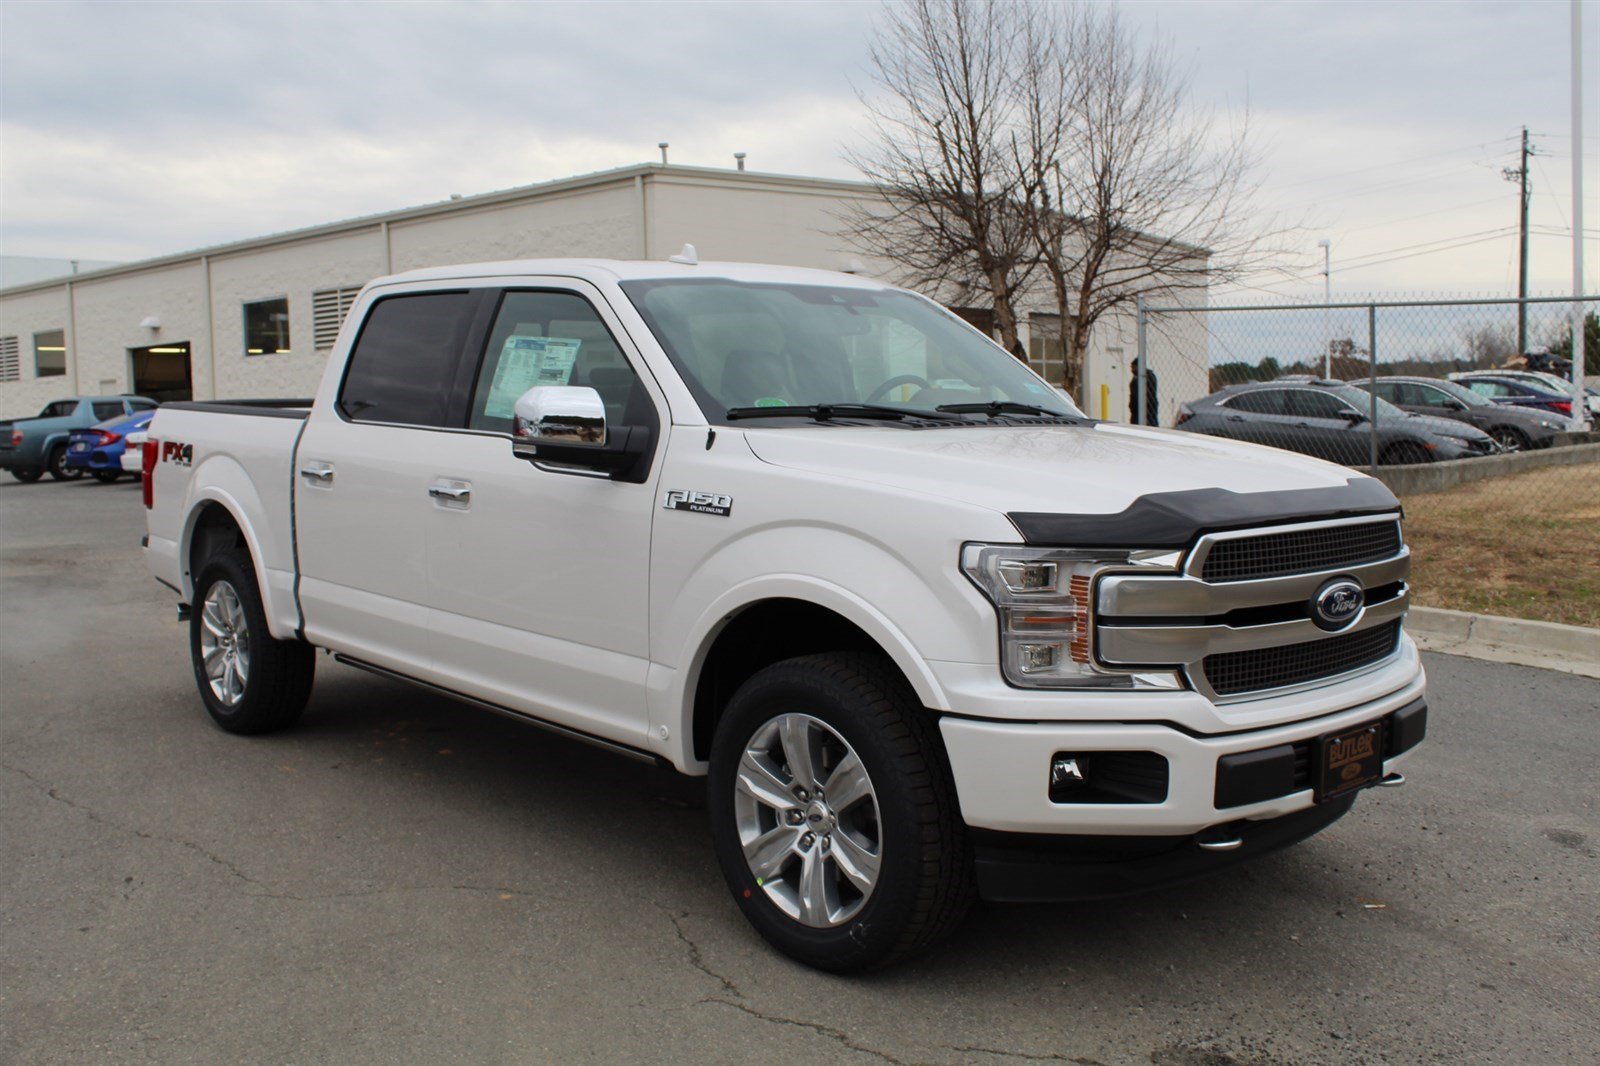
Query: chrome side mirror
x=566, y=415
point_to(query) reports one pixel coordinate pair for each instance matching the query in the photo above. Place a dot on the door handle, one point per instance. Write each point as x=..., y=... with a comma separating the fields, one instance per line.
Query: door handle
x=321, y=473
x=458, y=493
x=1236, y=418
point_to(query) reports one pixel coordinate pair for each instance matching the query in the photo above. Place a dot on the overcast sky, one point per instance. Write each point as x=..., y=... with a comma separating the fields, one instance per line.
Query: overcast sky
x=137, y=129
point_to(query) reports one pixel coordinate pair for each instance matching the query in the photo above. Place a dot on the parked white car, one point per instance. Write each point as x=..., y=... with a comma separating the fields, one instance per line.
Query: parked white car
x=930, y=631
x=133, y=453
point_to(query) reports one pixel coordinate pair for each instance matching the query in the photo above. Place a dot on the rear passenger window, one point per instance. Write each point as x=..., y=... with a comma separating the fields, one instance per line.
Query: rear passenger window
x=404, y=361
x=1259, y=401
x=554, y=338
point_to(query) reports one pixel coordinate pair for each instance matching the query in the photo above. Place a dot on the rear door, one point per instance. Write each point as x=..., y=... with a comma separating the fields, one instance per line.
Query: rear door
x=539, y=576
x=362, y=472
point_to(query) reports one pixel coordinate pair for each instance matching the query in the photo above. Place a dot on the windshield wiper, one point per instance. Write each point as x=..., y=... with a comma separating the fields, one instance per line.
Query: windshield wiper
x=994, y=408
x=823, y=412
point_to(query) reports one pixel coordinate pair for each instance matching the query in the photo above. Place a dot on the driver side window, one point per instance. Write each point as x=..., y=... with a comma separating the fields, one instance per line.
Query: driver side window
x=554, y=338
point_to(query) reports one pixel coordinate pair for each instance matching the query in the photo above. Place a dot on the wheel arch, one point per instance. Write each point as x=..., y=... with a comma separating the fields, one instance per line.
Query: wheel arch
x=216, y=522
x=740, y=638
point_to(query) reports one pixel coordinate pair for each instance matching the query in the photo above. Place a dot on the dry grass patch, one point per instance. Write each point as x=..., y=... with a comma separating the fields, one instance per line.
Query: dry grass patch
x=1525, y=546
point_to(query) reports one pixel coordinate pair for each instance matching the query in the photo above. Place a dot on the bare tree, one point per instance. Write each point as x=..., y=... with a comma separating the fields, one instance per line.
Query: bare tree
x=1131, y=193
x=950, y=212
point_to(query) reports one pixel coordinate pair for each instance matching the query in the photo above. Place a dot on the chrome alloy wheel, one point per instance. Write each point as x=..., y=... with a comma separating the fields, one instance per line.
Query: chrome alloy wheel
x=225, y=643
x=807, y=819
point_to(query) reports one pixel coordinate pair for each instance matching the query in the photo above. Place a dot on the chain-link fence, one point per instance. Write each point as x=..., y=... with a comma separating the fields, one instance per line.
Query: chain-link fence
x=1466, y=408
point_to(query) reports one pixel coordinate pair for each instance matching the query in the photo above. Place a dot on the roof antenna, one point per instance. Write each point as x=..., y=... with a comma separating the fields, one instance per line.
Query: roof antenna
x=688, y=257
x=739, y=158
x=663, y=146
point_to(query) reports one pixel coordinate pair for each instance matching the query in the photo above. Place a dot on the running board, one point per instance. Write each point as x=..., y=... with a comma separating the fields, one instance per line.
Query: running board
x=527, y=719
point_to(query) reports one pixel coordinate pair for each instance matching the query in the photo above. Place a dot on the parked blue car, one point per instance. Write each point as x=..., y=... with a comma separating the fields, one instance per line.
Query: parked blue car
x=98, y=449
x=1514, y=392
x=31, y=446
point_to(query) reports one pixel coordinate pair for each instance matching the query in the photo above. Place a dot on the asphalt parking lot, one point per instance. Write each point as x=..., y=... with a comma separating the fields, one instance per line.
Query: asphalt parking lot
x=403, y=879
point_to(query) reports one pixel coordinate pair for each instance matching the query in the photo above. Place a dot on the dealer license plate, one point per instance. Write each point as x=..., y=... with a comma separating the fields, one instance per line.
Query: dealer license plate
x=1349, y=760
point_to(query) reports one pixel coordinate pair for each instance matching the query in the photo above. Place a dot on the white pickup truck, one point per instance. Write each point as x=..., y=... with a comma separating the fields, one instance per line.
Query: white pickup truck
x=931, y=633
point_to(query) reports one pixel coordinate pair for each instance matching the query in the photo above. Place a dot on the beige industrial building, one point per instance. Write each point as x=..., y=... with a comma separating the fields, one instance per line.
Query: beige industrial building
x=257, y=318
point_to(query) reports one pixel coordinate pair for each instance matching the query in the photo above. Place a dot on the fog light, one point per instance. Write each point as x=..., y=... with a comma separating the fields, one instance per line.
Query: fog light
x=1066, y=771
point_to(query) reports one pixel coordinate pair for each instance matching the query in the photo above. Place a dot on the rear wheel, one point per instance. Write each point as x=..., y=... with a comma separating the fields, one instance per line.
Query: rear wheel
x=249, y=682
x=57, y=465
x=834, y=816
x=27, y=474
x=1512, y=440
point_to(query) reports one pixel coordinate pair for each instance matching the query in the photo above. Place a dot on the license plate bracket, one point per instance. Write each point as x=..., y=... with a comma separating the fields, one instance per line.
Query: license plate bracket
x=1349, y=760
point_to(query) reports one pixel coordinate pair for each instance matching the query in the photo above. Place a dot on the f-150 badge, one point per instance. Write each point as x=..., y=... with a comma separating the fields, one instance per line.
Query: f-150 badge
x=704, y=502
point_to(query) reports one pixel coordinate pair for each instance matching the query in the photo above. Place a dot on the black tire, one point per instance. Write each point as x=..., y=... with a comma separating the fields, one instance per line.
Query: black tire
x=57, y=465
x=279, y=673
x=925, y=880
x=1405, y=453
x=106, y=477
x=1511, y=438
x=27, y=474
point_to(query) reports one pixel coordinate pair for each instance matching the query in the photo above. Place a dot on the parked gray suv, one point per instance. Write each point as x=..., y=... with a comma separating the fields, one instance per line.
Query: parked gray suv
x=1330, y=420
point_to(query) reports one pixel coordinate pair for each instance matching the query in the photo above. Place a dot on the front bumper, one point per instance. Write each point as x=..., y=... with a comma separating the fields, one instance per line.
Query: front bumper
x=1002, y=770
x=1014, y=868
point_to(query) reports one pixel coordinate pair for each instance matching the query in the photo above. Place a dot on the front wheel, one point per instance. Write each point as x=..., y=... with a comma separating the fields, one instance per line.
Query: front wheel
x=834, y=816
x=1406, y=453
x=1512, y=440
x=249, y=682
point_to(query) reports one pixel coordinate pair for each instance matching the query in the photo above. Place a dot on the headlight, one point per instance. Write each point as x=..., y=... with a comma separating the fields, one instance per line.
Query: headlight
x=1045, y=601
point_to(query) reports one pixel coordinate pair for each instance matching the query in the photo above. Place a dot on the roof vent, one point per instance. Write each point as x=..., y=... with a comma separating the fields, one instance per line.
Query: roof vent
x=688, y=257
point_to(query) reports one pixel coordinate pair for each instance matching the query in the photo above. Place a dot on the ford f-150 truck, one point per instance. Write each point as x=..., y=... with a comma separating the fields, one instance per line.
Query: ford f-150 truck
x=930, y=633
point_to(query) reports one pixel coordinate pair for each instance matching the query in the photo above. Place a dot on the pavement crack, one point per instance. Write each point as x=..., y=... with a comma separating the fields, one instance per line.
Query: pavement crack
x=1024, y=1055
x=100, y=819
x=695, y=958
x=821, y=1030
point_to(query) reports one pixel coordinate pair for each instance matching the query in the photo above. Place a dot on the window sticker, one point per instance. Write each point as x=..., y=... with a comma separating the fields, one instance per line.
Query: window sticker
x=526, y=362
x=772, y=401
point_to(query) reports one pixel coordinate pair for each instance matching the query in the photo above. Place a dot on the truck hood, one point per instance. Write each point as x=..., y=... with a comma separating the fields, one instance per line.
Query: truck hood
x=1098, y=469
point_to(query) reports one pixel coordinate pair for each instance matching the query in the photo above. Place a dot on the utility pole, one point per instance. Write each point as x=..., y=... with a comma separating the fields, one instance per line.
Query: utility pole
x=1520, y=177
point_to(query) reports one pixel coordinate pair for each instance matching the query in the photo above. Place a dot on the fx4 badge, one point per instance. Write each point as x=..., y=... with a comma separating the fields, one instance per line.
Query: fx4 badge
x=176, y=453
x=704, y=502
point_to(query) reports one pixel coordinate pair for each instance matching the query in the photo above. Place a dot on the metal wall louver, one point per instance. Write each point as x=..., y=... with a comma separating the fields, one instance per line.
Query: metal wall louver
x=10, y=365
x=328, y=310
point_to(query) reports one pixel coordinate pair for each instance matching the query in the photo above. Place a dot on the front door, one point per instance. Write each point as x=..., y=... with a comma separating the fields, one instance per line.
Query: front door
x=538, y=576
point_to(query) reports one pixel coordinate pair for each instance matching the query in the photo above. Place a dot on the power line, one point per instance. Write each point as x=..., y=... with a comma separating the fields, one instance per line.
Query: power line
x=1337, y=175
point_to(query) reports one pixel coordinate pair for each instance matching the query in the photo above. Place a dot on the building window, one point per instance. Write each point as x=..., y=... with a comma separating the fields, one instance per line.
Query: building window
x=50, y=354
x=266, y=327
x=328, y=310
x=9, y=370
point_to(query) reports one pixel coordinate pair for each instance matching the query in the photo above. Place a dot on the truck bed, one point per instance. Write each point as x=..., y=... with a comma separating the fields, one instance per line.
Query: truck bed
x=247, y=450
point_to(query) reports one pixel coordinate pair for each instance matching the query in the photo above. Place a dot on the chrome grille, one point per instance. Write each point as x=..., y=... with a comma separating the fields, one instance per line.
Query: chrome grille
x=1236, y=672
x=1300, y=551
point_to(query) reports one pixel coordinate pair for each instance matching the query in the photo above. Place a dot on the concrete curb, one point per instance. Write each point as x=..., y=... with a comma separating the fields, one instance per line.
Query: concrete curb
x=1573, y=649
x=1416, y=479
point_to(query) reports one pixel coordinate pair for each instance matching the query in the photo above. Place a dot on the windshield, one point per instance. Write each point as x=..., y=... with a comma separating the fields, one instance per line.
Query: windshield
x=1362, y=400
x=751, y=345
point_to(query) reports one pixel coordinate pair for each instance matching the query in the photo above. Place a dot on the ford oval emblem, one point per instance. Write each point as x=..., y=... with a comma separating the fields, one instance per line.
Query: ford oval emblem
x=1337, y=603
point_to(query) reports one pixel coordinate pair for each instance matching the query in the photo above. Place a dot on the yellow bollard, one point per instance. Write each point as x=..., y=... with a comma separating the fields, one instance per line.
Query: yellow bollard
x=1105, y=401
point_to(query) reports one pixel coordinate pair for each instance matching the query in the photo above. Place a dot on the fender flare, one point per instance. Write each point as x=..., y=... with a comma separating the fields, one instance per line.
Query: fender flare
x=214, y=494
x=675, y=710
